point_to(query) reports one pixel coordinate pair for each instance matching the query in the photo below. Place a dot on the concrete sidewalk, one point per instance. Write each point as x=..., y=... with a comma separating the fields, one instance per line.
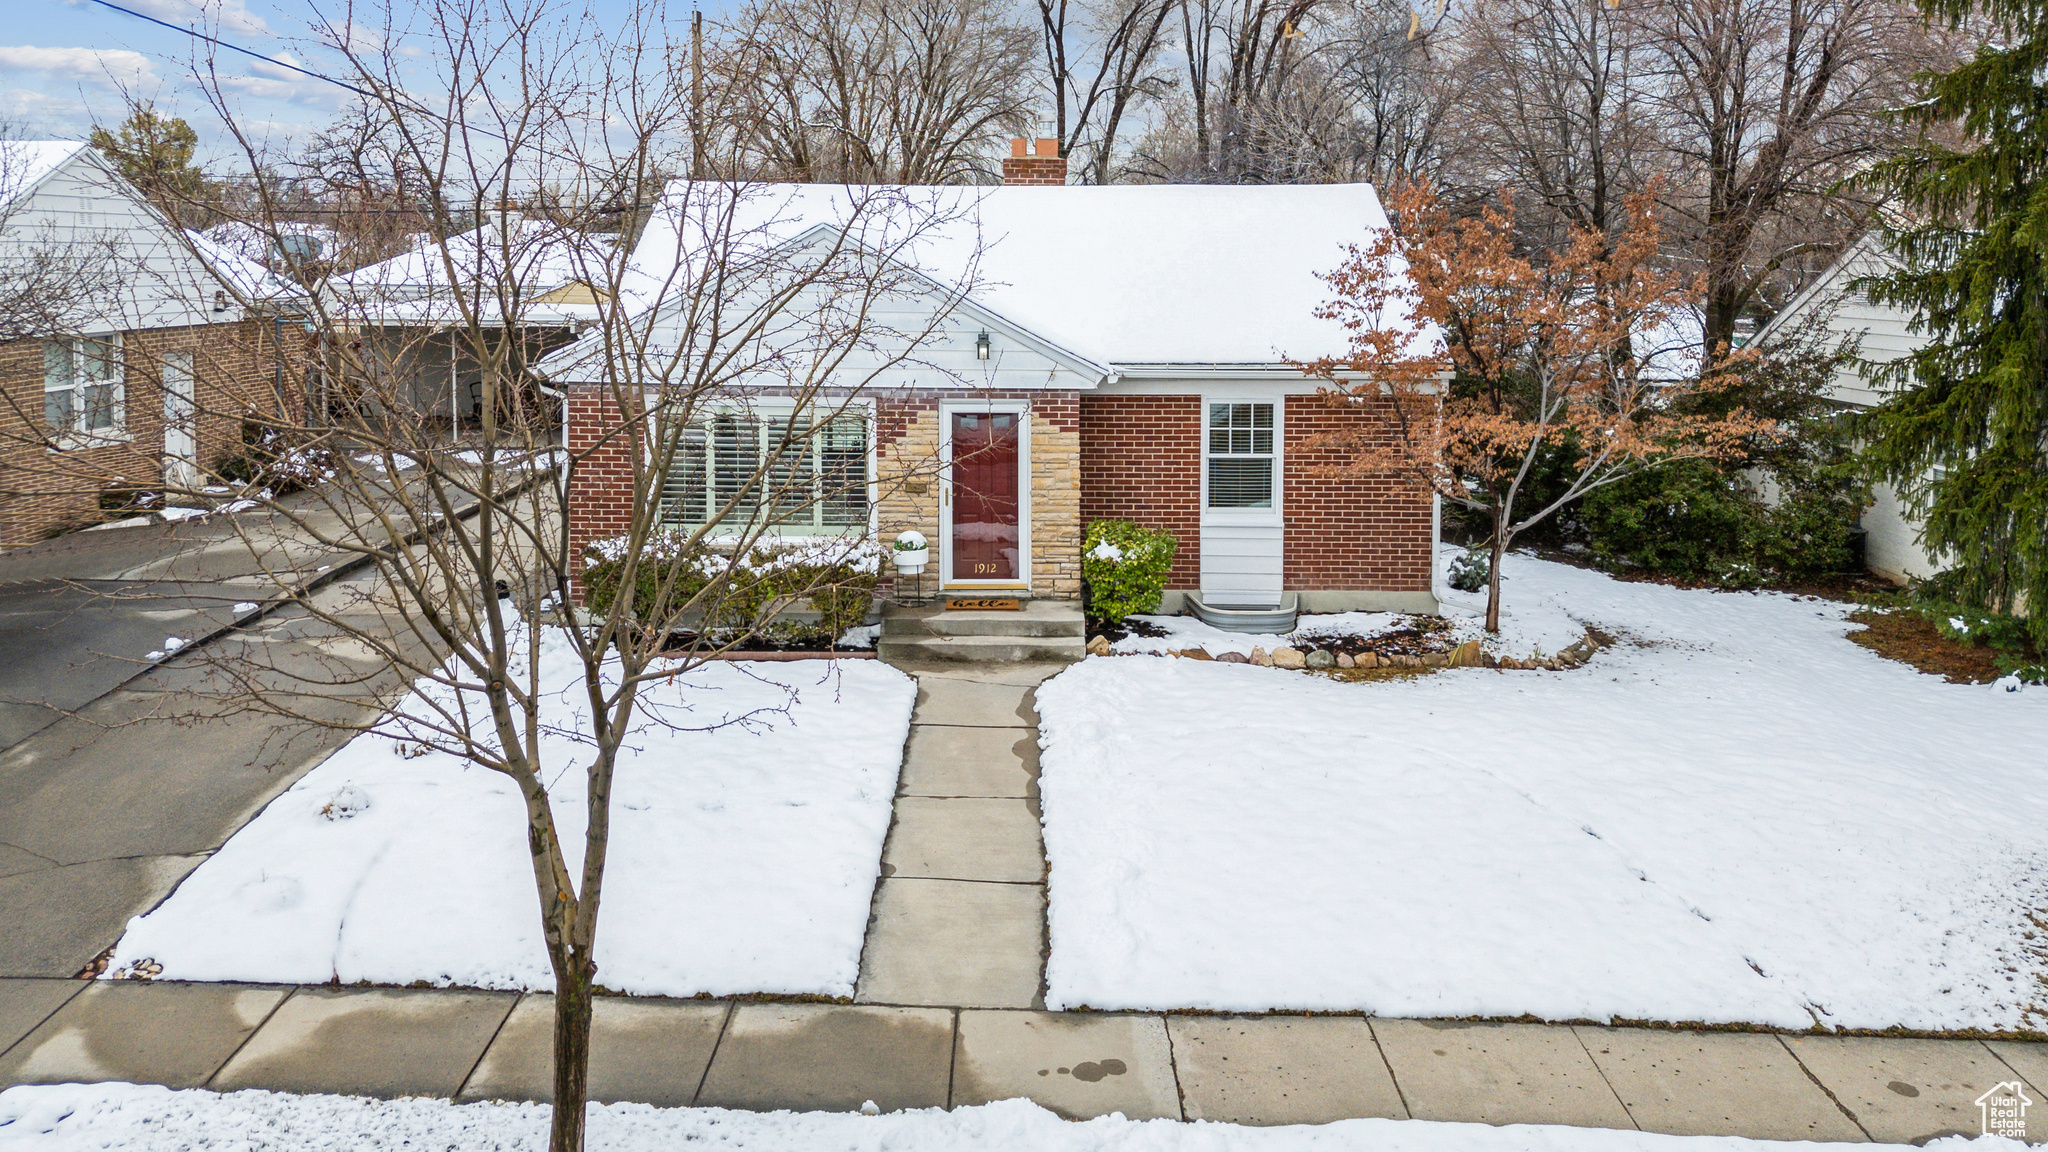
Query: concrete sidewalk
x=948, y=999
x=1273, y=1069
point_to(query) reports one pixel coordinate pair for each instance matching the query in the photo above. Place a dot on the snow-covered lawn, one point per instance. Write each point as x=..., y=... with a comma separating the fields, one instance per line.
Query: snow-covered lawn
x=130, y=1118
x=742, y=858
x=1735, y=814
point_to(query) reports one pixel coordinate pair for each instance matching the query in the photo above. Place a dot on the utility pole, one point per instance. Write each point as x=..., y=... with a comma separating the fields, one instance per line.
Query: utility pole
x=697, y=95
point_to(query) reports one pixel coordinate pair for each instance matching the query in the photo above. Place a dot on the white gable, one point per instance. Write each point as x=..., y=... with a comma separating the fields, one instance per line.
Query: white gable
x=76, y=199
x=1885, y=332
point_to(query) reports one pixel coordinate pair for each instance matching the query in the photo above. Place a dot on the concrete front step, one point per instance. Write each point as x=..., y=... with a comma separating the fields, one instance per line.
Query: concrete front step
x=983, y=649
x=1038, y=618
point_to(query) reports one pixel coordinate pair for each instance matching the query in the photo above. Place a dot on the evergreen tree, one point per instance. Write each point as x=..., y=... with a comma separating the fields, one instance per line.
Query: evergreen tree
x=1965, y=437
x=154, y=152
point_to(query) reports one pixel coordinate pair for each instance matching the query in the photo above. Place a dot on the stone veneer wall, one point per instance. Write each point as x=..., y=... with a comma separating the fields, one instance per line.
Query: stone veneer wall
x=907, y=466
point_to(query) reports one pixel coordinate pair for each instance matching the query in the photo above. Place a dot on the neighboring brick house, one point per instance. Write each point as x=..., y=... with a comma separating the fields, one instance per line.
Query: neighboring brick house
x=1121, y=352
x=145, y=379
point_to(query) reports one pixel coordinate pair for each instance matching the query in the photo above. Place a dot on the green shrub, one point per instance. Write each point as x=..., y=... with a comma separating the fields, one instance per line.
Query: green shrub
x=1683, y=519
x=836, y=577
x=1125, y=566
x=1472, y=569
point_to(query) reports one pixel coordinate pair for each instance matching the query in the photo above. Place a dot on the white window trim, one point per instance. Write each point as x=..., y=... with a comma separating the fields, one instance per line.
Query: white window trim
x=1024, y=556
x=769, y=408
x=1273, y=515
x=76, y=438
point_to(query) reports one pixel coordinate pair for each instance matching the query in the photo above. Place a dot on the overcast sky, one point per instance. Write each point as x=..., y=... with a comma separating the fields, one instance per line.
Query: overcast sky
x=65, y=64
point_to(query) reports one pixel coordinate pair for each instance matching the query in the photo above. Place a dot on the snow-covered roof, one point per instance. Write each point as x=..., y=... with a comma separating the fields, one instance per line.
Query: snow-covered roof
x=24, y=163
x=246, y=275
x=413, y=287
x=1124, y=276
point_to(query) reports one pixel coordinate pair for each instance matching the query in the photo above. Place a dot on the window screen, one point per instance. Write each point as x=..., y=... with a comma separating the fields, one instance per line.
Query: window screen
x=1240, y=455
x=812, y=477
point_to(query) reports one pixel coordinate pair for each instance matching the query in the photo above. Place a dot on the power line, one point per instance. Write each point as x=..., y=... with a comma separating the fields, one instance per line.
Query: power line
x=254, y=55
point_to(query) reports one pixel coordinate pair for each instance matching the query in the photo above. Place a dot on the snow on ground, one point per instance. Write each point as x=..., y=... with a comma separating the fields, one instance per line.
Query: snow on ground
x=1733, y=815
x=743, y=859
x=1533, y=622
x=133, y=1118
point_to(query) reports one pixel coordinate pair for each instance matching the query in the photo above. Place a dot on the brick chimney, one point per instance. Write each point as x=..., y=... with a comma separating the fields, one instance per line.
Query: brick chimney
x=1040, y=163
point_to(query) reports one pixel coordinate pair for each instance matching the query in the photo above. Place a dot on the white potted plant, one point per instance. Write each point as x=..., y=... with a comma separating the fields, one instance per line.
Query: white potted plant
x=912, y=553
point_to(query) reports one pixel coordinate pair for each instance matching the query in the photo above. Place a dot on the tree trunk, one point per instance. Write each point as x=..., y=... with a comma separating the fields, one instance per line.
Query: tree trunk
x=572, y=1050
x=1499, y=549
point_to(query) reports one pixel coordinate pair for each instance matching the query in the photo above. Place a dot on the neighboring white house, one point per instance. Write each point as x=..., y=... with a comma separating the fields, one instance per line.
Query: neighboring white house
x=1893, y=548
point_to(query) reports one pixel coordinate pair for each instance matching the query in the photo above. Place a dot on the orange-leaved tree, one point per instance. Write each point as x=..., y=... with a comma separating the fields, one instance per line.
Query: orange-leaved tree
x=1477, y=357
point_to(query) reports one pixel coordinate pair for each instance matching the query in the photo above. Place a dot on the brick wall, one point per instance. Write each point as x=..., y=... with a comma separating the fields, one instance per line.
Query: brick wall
x=601, y=472
x=234, y=375
x=1346, y=533
x=1141, y=460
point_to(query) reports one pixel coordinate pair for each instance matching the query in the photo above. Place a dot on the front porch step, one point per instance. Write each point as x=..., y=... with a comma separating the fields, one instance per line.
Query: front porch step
x=983, y=649
x=1041, y=630
x=1038, y=618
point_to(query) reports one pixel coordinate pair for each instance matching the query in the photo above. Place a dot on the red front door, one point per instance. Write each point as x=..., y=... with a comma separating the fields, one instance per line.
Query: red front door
x=985, y=538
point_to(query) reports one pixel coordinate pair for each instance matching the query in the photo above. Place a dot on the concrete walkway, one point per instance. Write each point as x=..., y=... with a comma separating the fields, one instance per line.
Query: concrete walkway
x=1247, y=1069
x=959, y=916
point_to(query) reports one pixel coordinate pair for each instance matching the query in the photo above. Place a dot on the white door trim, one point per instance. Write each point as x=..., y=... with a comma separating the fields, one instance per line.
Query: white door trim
x=181, y=419
x=946, y=410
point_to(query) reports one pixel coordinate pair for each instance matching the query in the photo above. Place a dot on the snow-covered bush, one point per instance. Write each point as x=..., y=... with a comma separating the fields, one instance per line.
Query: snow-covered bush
x=1125, y=566
x=1471, y=569
x=835, y=574
x=267, y=459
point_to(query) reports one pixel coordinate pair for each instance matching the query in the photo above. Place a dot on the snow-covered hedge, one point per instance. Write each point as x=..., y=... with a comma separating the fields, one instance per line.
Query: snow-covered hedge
x=1125, y=566
x=835, y=573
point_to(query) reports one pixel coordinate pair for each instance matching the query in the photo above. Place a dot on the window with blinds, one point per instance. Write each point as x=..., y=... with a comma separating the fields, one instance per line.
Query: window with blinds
x=1240, y=451
x=810, y=477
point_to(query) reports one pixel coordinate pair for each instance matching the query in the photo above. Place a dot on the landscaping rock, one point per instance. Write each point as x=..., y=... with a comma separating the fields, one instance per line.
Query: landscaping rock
x=1260, y=658
x=1099, y=646
x=1344, y=660
x=1289, y=658
x=1368, y=660
x=1467, y=655
x=1437, y=660
x=1195, y=654
x=1232, y=658
x=1321, y=659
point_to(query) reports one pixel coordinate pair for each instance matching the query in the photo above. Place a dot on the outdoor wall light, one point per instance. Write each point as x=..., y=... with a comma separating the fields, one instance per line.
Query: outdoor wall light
x=981, y=346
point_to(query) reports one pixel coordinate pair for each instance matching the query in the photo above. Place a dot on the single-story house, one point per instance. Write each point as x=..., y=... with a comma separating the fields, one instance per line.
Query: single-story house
x=147, y=356
x=514, y=278
x=1087, y=353
x=1892, y=548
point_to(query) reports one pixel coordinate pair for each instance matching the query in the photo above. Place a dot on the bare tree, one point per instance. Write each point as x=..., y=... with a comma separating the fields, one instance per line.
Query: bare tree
x=867, y=91
x=1769, y=106
x=1559, y=110
x=701, y=307
x=1100, y=64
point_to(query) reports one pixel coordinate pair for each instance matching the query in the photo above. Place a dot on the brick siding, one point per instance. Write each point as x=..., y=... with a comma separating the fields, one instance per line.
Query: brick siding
x=1141, y=460
x=1348, y=533
x=234, y=376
